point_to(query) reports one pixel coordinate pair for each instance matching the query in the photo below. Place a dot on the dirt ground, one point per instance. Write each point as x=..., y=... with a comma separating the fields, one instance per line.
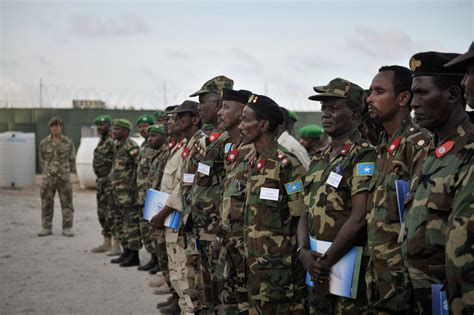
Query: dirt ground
x=57, y=274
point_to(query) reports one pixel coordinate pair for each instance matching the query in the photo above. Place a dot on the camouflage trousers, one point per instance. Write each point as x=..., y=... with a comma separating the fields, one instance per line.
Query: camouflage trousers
x=49, y=186
x=293, y=307
x=127, y=226
x=162, y=255
x=104, y=205
x=230, y=277
x=207, y=267
x=146, y=233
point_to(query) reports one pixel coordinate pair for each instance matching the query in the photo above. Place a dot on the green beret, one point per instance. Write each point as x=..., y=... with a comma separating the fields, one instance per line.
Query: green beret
x=160, y=114
x=215, y=85
x=103, y=119
x=266, y=107
x=157, y=128
x=55, y=120
x=431, y=63
x=122, y=122
x=340, y=88
x=240, y=96
x=293, y=115
x=311, y=131
x=207, y=126
x=145, y=119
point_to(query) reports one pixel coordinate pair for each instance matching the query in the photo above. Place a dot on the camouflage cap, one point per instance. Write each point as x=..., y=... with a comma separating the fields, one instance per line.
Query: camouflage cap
x=159, y=114
x=187, y=107
x=102, y=119
x=122, y=122
x=311, y=131
x=145, y=119
x=215, y=85
x=463, y=59
x=55, y=121
x=341, y=88
x=169, y=109
x=293, y=115
x=431, y=63
x=157, y=128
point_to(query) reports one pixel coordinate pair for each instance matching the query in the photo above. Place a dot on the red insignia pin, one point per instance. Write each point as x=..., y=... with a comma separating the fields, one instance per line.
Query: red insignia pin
x=345, y=149
x=185, y=153
x=260, y=164
x=394, y=145
x=444, y=148
x=214, y=136
x=172, y=143
x=232, y=155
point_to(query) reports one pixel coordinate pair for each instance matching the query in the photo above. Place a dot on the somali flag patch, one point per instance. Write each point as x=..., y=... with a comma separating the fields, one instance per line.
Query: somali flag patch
x=294, y=187
x=365, y=169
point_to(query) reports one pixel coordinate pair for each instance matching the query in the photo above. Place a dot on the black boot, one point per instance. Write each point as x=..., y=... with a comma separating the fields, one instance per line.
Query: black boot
x=131, y=260
x=149, y=265
x=122, y=257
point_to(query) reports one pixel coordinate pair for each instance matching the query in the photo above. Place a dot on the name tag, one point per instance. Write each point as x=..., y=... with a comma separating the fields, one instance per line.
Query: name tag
x=188, y=178
x=334, y=179
x=269, y=193
x=204, y=169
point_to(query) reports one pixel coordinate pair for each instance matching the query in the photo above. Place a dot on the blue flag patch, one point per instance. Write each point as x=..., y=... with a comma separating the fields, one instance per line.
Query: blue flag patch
x=294, y=187
x=227, y=147
x=365, y=169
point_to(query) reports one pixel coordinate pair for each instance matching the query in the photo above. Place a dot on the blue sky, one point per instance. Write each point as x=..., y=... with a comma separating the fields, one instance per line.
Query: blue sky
x=123, y=52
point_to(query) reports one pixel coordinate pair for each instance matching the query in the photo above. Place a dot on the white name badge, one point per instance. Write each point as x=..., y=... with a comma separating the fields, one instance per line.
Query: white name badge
x=269, y=193
x=188, y=178
x=204, y=169
x=334, y=179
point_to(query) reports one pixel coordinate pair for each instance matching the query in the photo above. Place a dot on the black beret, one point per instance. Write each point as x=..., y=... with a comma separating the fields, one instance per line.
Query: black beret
x=240, y=96
x=266, y=107
x=431, y=63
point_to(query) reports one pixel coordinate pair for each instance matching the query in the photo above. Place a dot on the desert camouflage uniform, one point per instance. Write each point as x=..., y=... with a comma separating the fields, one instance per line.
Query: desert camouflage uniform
x=205, y=203
x=428, y=206
x=102, y=164
x=329, y=208
x=274, y=273
x=58, y=161
x=145, y=158
x=388, y=285
x=232, y=289
x=123, y=179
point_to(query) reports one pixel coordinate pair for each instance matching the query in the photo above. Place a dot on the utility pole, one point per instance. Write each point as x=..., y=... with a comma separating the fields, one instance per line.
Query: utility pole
x=41, y=93
x=165, y=102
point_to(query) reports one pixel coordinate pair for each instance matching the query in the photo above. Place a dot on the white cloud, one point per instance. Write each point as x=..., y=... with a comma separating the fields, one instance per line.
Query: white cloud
x=123, y=25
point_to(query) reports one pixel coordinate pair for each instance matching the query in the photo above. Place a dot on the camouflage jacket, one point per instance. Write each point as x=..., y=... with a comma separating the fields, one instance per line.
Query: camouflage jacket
x=273, y=205
x=329, y=207
x=123, y=173
x=397, y=158
x=103, y=156
x=144, y=161
x=208, y=186
x=157, y=167
x=433, y=192
x=57, y=159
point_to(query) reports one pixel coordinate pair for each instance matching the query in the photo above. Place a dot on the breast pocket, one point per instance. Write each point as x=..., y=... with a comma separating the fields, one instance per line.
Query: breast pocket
x=438, y=210
x=269, y=214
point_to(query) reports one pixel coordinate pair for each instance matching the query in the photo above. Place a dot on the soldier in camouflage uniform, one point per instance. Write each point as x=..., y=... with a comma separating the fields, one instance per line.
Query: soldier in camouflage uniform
x=438, y=106
x=207, y=190
x=336, y=196
x=459, y=257
x=229, y=278
x=123, y=179
x=57, y=160
x=273, y=204
x=400, y=150
x=145, y=157
x=102, y=164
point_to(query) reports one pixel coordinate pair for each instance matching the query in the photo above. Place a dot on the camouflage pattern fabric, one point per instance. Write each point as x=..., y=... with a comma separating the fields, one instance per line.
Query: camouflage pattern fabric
x=428, y=207
x=294, y=307
x=57, y=161
x=102, y=164
x=329, y=208
x=397, y=159
x=275, y=274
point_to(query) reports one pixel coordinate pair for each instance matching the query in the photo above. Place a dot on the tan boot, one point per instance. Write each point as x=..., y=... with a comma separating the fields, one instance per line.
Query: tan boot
x=67, y=232
x=45, y=232
x=106, y=245
x=163, y=289
x=157, y=280
x=115, y=248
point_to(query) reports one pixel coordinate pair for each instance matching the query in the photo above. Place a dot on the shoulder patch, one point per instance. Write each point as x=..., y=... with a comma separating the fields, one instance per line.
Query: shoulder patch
x=213, y=137
x=364, y=169
x=294, y=187
x=419, y=140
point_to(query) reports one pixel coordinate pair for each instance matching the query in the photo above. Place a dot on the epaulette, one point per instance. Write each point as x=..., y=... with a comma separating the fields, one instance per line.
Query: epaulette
x=418, y=139
x=283, y=158
x=213, y=137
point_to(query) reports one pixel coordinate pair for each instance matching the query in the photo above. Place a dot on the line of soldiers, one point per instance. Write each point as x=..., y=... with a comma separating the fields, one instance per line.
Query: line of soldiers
x=251, y=198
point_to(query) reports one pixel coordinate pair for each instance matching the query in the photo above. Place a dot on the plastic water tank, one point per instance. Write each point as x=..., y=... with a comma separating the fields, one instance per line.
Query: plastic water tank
x=84, y=157
x=17, y=159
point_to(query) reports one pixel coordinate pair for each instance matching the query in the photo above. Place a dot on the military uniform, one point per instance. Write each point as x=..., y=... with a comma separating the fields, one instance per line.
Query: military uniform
x=433, y=194
x=389, y=289
x=58, y=161
x=275, y=274
x=102, y=164
x=329, y=208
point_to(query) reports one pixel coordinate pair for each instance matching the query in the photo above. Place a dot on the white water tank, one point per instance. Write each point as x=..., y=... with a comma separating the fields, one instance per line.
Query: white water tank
x=84, y=157
x=17, y=159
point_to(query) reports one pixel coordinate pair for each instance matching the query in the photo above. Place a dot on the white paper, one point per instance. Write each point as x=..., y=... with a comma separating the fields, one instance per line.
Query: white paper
x=334, y=179
x=188, y=178
x=269, y=193
x=204, y=169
